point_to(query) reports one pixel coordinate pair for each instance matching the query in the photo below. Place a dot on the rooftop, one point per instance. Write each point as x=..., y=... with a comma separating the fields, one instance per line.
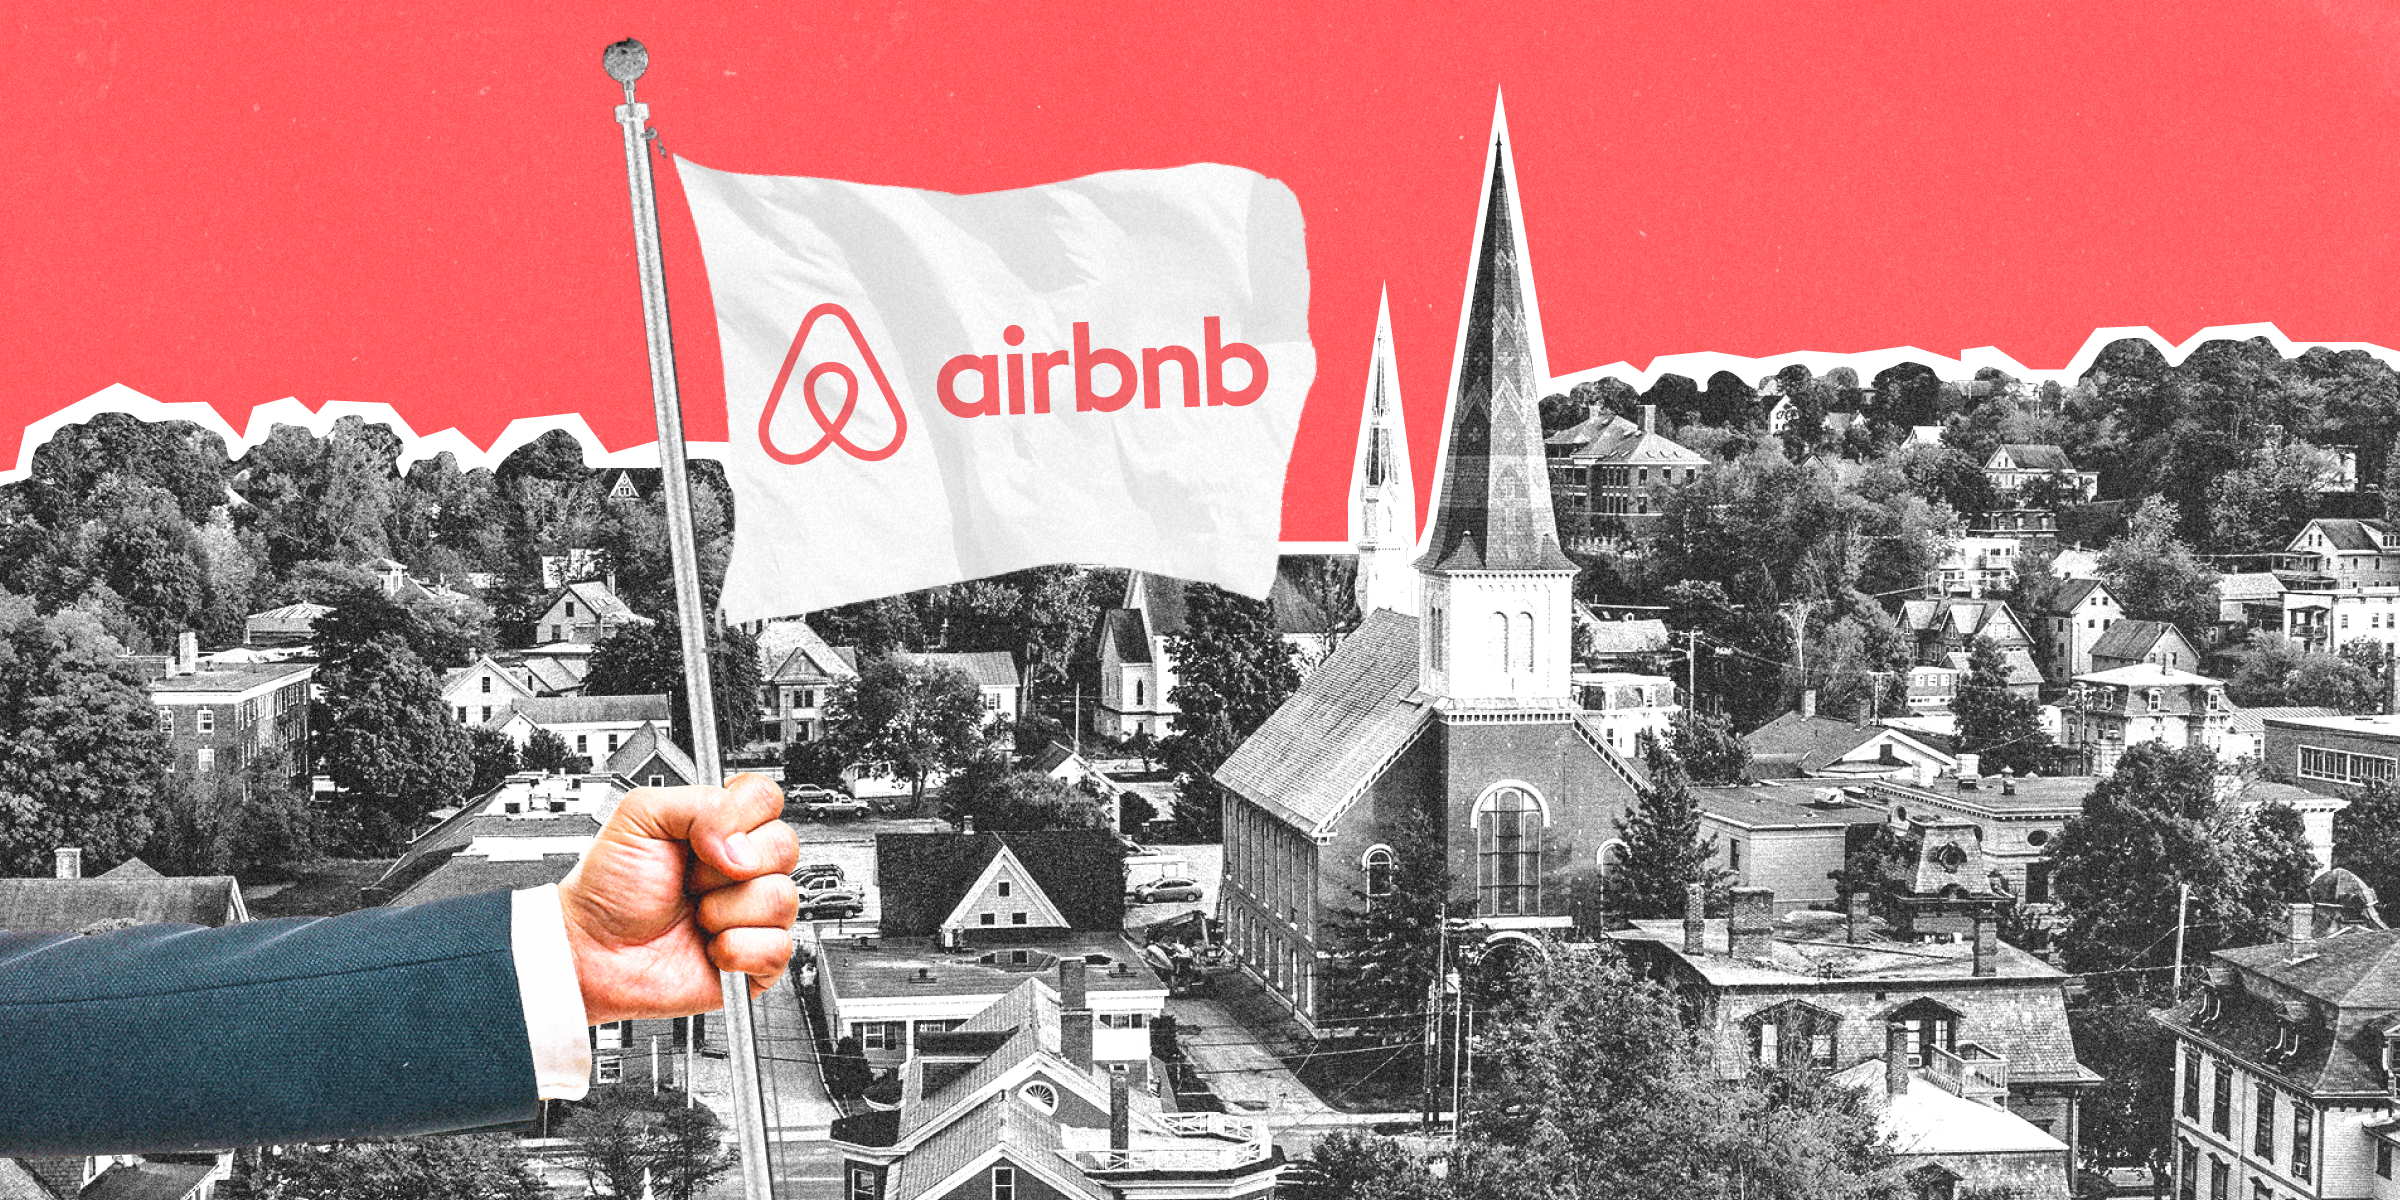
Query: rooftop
x=2386, y=725
x=595, y=710
x=232, y=677
x=1809, y=949
x=2148, y=675
x=73, y=905
x=2034, y=794
x=1928, y=1119
x=1775, y=807
x=885, y=967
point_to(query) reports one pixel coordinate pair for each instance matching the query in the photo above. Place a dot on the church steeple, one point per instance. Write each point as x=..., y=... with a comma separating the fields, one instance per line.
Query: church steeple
x=1495, y=588
x=1383, y=503
x=1493, y=513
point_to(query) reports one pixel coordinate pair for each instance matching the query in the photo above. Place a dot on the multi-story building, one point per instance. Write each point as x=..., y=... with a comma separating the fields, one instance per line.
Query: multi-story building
x=1624, y=706
x=2348, y=552
x=1789, y=839
x=219, y=716
x=1605, y=473
x=994, y=672
x=2287, y=1061
x=1805, y=744
x=2129, y=643
x=2014, y=466
x=1013, y=1102
x=2078, y=614
x=593, y=726
x=484, y=691
x=585, y=611
x=1945, y=630
x=1461, y=721
x=2013, y=819
x=1981, y=1019
x=2106, y=711
x=797, y=673
x=2333, y=754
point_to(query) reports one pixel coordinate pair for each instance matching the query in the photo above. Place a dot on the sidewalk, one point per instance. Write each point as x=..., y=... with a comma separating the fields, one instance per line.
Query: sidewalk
x=1240, y=1068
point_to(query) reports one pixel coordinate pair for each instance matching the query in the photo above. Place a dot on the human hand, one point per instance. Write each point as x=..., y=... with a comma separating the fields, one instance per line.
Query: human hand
x=682, y=883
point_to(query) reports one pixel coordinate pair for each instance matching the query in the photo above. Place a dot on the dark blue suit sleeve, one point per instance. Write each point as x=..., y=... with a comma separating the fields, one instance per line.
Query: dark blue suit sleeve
x=382, y=1022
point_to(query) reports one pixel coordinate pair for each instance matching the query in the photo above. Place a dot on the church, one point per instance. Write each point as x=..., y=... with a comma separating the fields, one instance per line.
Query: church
x=1460, y=712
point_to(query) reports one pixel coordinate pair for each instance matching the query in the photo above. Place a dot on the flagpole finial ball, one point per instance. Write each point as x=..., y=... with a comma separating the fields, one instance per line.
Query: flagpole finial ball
x=625, y=61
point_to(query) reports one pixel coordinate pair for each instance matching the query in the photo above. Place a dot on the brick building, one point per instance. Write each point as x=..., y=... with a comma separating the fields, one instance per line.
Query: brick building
x=2334, y=755
x=218, y=716
x=1461, y=718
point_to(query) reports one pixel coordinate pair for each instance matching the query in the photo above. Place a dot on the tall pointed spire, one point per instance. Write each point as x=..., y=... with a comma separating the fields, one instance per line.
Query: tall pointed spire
x=1383, y=500
x=1493, y=513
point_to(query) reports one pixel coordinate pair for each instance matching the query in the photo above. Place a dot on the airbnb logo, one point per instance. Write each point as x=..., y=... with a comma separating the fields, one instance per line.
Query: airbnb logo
x=831, y=427
x=1086, y=362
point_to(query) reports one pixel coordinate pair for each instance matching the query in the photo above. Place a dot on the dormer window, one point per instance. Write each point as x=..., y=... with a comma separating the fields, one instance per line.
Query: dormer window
x=2287, y=1042
x=2212, y=1007
x=2155, y=699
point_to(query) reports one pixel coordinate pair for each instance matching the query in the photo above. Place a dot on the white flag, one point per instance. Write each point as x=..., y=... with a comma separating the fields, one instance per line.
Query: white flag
x=923, y=388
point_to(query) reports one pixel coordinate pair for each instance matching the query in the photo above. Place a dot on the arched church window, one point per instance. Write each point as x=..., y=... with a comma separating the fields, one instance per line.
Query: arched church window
x=1521, y=642
x=1500, y=640
x=1508, y=831
x=1379, y=865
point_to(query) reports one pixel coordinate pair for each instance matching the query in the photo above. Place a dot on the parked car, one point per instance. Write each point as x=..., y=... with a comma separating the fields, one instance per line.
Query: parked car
x=1170, y=890
x=821, y=803
x=816, y=877
x=831, y=904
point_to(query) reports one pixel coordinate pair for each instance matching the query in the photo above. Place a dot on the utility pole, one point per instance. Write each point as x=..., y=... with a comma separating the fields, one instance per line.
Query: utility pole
x=1458, y=1054
x=2183, y=905
x=1437, y=1004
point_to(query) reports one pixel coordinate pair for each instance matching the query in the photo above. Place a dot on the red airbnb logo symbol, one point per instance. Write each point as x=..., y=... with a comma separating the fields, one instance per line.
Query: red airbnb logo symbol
x=831, y=426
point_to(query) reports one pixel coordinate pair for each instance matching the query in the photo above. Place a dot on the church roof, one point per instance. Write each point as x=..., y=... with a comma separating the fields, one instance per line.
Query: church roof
x=1333, y=736
x=1493, y=512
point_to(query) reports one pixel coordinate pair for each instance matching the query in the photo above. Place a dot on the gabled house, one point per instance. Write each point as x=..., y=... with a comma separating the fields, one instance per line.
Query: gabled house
x=2012, y=466
x=1136, y=648
x=585, y=611
x=129, y=894
x=1804, y=744
x=1605, y=643
x=483, y=691
x=289, y=625
x=994, y=672
x=1947, y=1145
x=966, y=917
x=2131, y=642
x=1013, y=1101
x=593, y=726
x=797, y=672
x=2287, y=1061
x=1945, y=629
x=650, y=758
x=2345, y=552
x=2079, y=613
x=1462, y=718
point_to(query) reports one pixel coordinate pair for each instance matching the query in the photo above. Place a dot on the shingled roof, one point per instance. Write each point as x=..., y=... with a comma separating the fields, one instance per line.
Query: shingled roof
x=647, y=743
x=2355, y=972
x=791, y=651
x=2030, y=457
x=1334, y=735
x=1493, y=512
x=546, y=711
x=2070, y=595
x=74, y=905
x=1123, y=628
x=2132, y=638
x=923, y=876
x=2355, y=535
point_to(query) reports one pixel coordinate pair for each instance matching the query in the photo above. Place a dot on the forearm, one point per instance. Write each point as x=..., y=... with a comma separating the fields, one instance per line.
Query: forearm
x=382, y=1022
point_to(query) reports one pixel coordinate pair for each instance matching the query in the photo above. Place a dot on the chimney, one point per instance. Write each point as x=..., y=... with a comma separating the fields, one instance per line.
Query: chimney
x=1120, y=1111
x=1649, y=418
x=1970, y=766
x=1808, y=702
x=966, y=824
x=1860, y=906
x=1895, y=1060
x=2008, y=781
x=1074, y=1018
x=70, y=862
x=1753, y=923
x=1695, y=919
x=1987, y=944
x=2301, y=920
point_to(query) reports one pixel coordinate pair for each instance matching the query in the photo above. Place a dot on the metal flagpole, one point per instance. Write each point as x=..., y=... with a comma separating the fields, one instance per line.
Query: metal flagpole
x=625, y=62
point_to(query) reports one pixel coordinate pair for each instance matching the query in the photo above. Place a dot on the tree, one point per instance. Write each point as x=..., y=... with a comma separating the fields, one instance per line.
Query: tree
x=2260, y=507
x=83, y=763
x=492, y=755
x=2155, y=575
x=908, y=719
x=251, y=821
x=1003, y=799
x=644, y=660
x=2156, y=822
x=388, y=741
x=550, y=754
x=468, y=1167
x=1233, y=669
x=2276, y=670
x=1351, y=1165
x=2366, y=837
x=1385, y=946
x=1665, y=851
x=2000, y=726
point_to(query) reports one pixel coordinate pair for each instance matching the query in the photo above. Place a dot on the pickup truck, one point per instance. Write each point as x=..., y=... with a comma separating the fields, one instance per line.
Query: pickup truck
x=820, y=803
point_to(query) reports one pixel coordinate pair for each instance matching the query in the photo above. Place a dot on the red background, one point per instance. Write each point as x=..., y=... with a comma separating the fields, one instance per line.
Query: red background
x=426, y=206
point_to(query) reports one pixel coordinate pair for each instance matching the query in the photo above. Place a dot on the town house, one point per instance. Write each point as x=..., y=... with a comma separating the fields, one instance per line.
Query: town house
x=797, y=673
x=2079, y=613
x=592, y=726
x=586, y=611
x=218, y=716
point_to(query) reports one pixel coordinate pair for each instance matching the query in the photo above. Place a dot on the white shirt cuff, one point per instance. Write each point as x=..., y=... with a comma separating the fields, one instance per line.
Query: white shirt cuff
x=553, y=999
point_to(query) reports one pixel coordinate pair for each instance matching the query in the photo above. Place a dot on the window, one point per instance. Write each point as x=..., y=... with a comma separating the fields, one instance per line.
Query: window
x=1499, y=648
x=879, y=1035
x=1137, y=693
x=486, y=680
x=583, y=743
x=2217, y=1177
x=2220, y=1113
x=487, y=712
x=863, y=1184
x=462, y=714
x=658, y=781
x=166, y=720
x=204, y=719
x=2304, y=1131
x=1016, y=918
x=1508, y=853
x=1124, y=1021
x=612, y=743
x=2383, y=1160
x=1441, y=649
x=607, y=1068
x=204, y=760
x=1040, y=1095
x=1793, y=1034
x=991, y=702
x=570, y=610
x=1378, y=864
x=1005, y=885
x=1520, y=642
x=2187, y=1174
x=1004, y=1183
x=989, y=919
x=2337, y=766
x=1929, y=1025
x=1733, y=855
x=2262, y=1134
